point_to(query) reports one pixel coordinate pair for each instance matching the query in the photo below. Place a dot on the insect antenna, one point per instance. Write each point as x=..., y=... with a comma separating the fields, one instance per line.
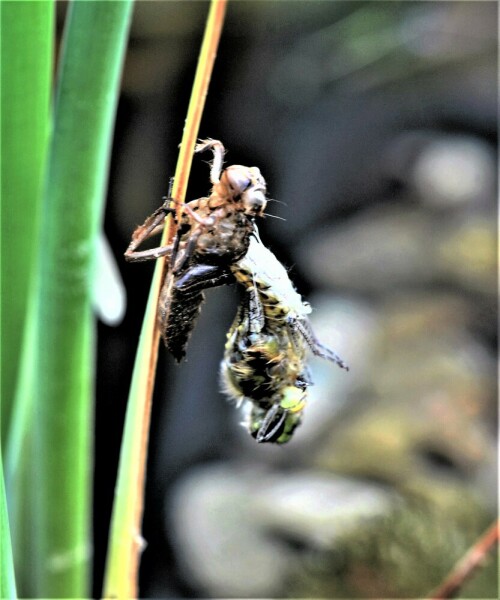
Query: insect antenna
x=278, y=201
x=274, y=216
x=317, y=348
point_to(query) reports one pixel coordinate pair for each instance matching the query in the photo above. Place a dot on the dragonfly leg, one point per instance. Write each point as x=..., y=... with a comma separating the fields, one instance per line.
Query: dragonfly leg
x=218, y=152
x=152, y=254
x=255, y=311
x=151, y=226
x=270, y=426
x=317, y=348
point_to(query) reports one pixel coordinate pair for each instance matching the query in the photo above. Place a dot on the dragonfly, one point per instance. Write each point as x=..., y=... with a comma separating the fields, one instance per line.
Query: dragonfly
x=212, y=233
x=265, y=358
x=264, y=367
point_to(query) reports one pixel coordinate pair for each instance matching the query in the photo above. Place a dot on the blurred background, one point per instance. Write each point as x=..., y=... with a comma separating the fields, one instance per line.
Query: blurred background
x=374, y=124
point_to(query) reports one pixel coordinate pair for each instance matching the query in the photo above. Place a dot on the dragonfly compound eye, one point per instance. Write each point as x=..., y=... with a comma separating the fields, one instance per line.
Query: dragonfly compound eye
x=254, y=201
x=238, y=178
x=254, y=197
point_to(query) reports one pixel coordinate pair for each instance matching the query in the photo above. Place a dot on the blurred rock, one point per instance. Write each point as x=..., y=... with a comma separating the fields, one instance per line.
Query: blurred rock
x=467, y=253
x=373, y=252
x=455, y=170
x=237, y=529
x=218, y=540
x=429, y=426
x=384, y=249
x=443, y=170
x=403, y=555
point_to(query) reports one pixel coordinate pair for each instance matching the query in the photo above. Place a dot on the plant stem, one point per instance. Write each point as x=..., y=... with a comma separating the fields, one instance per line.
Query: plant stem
x=121, y=576
x=468, y=564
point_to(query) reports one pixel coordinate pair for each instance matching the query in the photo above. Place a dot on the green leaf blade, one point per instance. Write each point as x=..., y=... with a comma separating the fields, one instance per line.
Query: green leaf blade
x=26, y=80
x=7, y=577
x=92, y=57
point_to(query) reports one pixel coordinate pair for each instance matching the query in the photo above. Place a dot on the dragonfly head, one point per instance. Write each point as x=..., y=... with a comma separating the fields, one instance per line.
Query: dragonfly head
x=248, y=187
x=277, y=424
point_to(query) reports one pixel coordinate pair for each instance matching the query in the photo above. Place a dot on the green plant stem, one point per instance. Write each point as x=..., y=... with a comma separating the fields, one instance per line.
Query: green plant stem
x=92, y=55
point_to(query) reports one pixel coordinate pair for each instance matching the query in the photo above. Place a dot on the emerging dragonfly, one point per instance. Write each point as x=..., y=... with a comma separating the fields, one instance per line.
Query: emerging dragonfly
x=265, y=354
x=213, y=232
x=264, y=364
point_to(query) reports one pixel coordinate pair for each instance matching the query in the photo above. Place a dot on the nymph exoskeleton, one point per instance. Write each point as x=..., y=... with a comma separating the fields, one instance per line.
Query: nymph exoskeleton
x=265, y=354
x=213, y=232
